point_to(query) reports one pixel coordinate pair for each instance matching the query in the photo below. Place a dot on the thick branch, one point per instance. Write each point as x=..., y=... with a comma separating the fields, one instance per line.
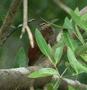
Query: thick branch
x=83, y=11
x=18, y=79
x=5, y=28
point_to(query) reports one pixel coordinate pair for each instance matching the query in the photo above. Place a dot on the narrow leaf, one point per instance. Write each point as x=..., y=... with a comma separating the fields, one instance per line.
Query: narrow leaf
x=43, y=73
x=84, y=57
x=81, y=49
x=68, y=24
x=58, y=54
x=77, y=19
x=79, y=36
x=43, y=46
x=77, y=12
x=68, y=41
x=77, y=66
x=84, y=17
x=20, y=60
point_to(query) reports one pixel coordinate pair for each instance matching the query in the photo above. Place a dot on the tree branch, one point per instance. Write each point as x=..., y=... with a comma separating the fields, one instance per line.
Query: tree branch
x=65, y=8
x=75, y=83
x=83, y=10
x=18, y=79
x=25, y=23
x=5, y=28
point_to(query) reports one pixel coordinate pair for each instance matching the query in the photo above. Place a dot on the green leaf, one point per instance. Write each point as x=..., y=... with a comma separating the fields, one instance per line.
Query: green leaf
x=56, y=84
x=81, y=49
x=58, y=54
x=43, y=46
x=68, y=41
x=77, y=19
x=77, y=66
x=84, y=17
x=53, y=85
x=79, y=36
x=42, y=43
x=21, y=59
x=84, y=57
x=50, y=86
x=77, y=11
x=68, y=24
x=43, y=73
x=71, y=88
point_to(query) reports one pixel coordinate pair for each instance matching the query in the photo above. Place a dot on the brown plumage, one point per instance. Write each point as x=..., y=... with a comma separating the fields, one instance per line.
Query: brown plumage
x=35, y=53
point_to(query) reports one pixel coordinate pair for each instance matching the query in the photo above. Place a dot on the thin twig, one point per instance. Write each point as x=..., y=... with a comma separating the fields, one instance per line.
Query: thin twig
x=62, y=6
x=25, y=23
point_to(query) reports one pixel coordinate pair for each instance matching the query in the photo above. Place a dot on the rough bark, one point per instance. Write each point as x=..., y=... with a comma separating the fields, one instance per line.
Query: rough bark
x=17, y=79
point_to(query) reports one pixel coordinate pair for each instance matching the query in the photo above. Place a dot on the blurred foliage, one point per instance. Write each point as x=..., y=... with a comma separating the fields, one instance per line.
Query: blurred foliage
x=37, y=9
x=11, y=51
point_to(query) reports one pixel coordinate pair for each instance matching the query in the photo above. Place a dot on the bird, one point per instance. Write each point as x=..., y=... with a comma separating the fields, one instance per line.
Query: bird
x=49, y=35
